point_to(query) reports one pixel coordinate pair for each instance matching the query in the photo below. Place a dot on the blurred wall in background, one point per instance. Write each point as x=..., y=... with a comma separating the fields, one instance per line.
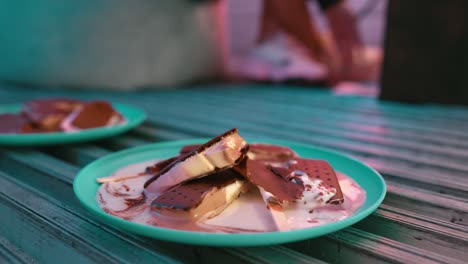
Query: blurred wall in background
x=115, y=44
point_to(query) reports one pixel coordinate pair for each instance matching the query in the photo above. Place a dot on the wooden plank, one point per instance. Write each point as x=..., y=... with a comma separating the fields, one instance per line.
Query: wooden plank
x=308, y=117
x=259, y=103
x=11, y=254
x=346, y=114
x=79, y=154
x=378, y=249
x=154, y=133
x=427, y=204
x=435, y=236
x=122, y=142
x=307, y=96
x=356, y=106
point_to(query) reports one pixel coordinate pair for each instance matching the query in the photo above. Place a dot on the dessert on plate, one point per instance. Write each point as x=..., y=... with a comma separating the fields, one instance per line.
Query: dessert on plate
x=229, y=185
x=59, y=115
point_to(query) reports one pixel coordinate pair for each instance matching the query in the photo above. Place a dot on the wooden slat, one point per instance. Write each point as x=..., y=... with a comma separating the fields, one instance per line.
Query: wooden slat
x=307, y=124
x=154, y=133
x=430, y=235
x=11, y=254
x=344, y=115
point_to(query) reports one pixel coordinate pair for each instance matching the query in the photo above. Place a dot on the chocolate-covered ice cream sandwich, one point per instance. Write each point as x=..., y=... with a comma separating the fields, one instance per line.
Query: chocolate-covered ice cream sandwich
x=201, y=198
x=297, y=180
x=48, y=114
x=221, y=152
x=91, y=115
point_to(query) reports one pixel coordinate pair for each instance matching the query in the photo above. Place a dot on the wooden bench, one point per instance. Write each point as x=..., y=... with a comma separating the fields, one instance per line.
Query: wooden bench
x=421, y=150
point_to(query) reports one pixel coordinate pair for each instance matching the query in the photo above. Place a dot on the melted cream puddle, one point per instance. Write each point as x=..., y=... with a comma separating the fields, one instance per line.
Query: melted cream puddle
x=248, y=213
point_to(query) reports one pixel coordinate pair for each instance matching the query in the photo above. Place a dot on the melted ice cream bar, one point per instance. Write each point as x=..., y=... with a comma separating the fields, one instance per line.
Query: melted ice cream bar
x=48, y=114
x=201, y=198
x=298, y=180
x=223, y=151
x=321, y=173
x=260, y=174
x=91, y=115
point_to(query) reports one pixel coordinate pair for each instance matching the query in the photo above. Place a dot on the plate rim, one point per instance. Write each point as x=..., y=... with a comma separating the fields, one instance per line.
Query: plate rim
x=56, y=138
x=219, y=239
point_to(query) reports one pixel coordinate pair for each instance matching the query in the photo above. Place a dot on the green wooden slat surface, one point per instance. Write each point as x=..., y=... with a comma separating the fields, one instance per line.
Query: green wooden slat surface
x=422, y=151
x=13, y=255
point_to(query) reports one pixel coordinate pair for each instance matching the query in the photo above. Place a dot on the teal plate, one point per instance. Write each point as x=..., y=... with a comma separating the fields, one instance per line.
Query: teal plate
x=133, y=115
x=85, y=187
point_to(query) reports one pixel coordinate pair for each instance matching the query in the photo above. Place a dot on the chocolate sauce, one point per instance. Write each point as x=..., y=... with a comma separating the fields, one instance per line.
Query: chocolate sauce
x=316, y=194
x=246, y=214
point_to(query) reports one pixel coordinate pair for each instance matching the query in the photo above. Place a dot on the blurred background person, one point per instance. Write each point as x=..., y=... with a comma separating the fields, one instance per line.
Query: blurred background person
x=289, y=32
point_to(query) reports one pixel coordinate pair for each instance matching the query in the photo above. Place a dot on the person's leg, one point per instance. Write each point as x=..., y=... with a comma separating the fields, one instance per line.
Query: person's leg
x=359, y=62
x=268, y=27
x=293, y=18
x=343, y=26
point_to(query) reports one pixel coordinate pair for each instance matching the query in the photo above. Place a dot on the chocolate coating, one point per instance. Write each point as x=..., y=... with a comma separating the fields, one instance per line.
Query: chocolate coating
x=196, y=150
x=190, y=194
x=49, y=113
x=188, y=149
x=271, y=152
x=94, y=114
x=261, y=174
x=155, y=168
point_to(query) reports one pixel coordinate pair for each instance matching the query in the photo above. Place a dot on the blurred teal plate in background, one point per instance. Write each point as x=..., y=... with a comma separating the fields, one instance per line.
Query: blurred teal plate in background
x=134, y=116
x=85, y=188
